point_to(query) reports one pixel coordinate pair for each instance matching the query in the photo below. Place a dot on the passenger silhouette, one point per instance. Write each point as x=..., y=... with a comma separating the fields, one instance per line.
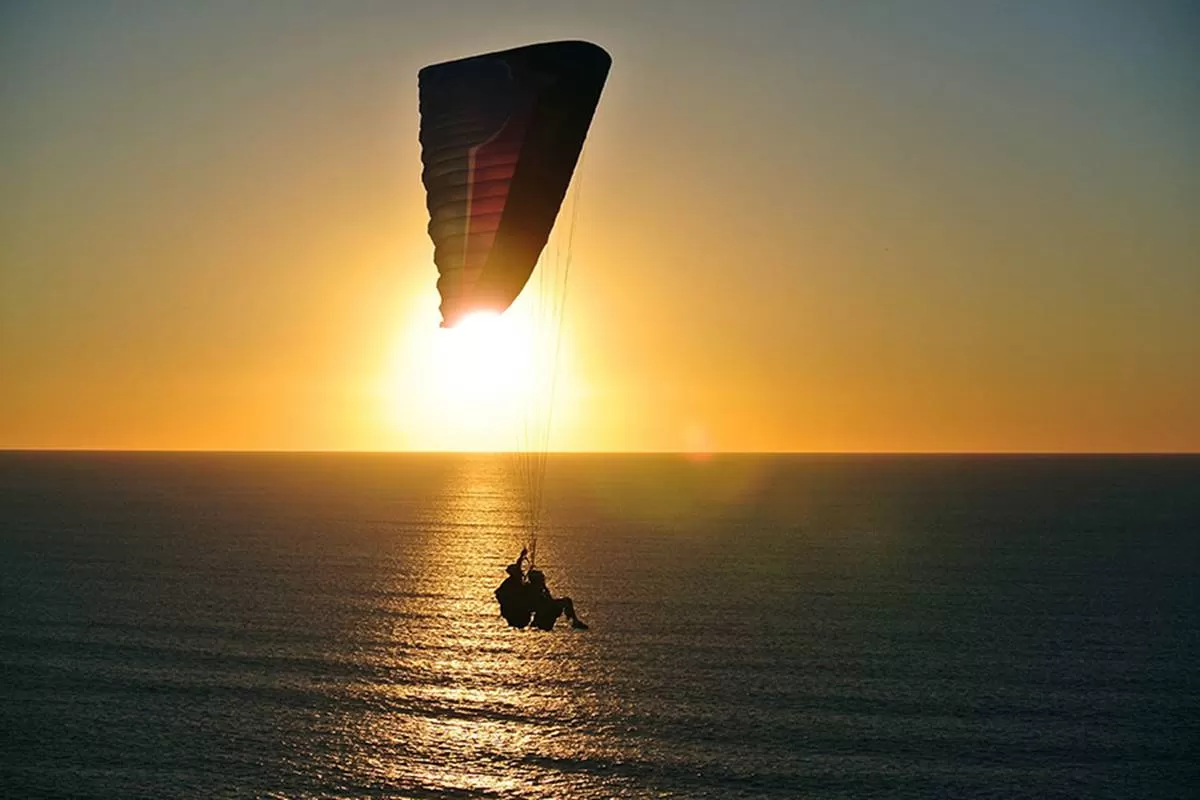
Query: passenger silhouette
x=547, y=608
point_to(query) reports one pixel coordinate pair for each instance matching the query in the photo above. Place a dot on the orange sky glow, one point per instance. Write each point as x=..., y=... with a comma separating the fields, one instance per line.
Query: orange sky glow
x=804, y=229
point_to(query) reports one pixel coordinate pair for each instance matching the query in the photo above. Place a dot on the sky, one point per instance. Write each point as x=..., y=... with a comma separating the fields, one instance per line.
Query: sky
x=801, y=226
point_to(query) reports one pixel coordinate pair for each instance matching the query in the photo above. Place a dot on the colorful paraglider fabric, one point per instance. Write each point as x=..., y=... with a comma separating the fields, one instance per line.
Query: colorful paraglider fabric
x=500, y=136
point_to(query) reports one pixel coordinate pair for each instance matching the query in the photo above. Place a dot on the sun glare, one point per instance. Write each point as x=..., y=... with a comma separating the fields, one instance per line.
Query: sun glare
x=485, y=359
x=480, y=385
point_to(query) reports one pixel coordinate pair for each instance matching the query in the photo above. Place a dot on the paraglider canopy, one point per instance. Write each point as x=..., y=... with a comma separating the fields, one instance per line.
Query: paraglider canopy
x=500, y=137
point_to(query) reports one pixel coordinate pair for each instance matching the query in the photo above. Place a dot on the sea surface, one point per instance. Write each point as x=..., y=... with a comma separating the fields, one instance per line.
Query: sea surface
x=322, y=626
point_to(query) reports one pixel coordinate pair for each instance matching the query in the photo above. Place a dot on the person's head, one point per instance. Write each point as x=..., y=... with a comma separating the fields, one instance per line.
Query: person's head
x=536, y=577
x=514, y=570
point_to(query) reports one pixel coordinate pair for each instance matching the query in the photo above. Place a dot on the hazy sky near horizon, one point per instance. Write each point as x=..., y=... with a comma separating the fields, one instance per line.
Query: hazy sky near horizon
x=919, y=226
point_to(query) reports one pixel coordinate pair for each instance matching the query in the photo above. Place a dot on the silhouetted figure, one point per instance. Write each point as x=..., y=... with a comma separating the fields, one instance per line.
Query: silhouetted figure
x=514, y=596
x=546, y=608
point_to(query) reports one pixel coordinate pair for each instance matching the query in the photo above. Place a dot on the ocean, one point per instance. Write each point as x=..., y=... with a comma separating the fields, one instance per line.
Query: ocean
x=323, y=626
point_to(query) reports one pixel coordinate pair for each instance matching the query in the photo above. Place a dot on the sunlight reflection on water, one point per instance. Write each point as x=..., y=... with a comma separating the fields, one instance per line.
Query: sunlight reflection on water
x=466, y=700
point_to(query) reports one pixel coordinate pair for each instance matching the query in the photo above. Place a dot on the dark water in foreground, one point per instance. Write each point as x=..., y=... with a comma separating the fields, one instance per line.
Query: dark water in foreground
x=762, y=627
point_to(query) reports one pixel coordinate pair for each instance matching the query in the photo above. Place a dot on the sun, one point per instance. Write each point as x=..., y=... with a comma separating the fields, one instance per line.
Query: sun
x=478, y=386
x=483, y=362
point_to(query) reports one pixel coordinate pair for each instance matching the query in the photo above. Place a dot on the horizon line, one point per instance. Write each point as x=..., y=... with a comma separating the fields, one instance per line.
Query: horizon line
x=691, y=454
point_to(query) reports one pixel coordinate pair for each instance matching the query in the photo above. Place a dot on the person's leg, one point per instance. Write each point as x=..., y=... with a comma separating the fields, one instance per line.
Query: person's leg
x=567, y=606
x=569, y=610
